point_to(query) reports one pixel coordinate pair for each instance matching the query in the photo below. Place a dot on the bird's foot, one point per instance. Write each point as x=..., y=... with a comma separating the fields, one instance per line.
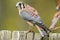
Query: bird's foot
x=29, y=32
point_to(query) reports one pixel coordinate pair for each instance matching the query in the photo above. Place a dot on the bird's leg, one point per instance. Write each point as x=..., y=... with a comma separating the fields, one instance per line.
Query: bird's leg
x=30, y=23
x=39, y=29
x=29, y=32
x=30, y=29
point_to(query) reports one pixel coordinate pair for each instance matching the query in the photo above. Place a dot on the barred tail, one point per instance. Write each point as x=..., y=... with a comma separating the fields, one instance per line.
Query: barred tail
x=44, y=30
x=41, y=25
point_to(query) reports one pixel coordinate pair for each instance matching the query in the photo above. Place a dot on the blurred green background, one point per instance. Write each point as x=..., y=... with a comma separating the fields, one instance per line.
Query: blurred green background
x=10, y=19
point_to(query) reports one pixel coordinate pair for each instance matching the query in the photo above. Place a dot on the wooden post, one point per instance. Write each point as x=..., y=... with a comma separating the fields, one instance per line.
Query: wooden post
x=18, y=35
x=53, y=36
x=30, y=36
x=37, y=36
x=58, y=38
x=5, y=35
x=21, y=35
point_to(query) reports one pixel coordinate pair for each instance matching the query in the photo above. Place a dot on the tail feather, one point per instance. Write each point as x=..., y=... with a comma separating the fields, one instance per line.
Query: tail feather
x=42, y=31
x=41, y=25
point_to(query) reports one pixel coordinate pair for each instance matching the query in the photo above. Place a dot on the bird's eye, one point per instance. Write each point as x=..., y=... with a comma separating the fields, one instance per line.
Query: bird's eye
x=20, y=5
x=23, y=5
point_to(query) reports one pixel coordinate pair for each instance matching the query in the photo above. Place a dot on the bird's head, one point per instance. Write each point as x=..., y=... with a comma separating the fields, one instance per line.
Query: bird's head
x=20, y=5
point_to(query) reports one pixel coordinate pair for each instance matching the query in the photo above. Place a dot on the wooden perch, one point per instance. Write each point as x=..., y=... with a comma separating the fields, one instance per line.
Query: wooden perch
x=20, y=35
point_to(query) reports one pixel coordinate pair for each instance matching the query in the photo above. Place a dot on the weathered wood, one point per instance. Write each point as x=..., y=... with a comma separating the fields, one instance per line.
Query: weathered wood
x=58, y=36
x=30, y=36
x=5, y=35
x=53, y=36
x=18, y=35
x=21, y=35
x=15, y=35
x=37, y=36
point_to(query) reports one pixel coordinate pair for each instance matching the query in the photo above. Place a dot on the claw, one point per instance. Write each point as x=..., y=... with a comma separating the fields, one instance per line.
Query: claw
x=29, y=32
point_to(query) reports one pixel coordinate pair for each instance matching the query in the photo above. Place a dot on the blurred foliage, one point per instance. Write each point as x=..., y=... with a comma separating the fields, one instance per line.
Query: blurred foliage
x=58, y=1
x=10, y=19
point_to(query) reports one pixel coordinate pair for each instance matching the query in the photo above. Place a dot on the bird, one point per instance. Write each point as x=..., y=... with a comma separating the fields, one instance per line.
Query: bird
x=31, y=16
x=55, y=17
